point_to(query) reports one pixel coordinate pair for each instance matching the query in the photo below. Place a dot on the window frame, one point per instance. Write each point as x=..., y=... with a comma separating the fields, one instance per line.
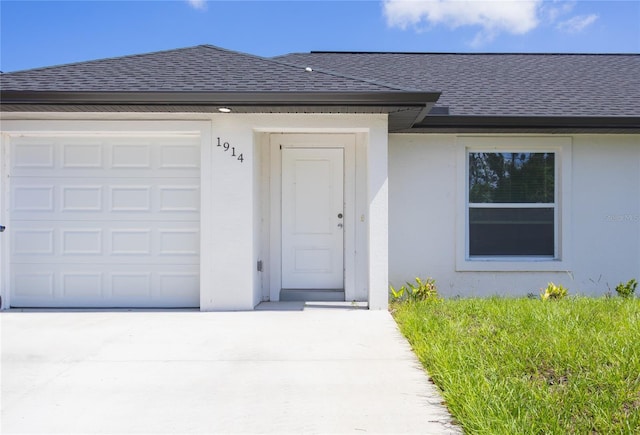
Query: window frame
x=561, y=147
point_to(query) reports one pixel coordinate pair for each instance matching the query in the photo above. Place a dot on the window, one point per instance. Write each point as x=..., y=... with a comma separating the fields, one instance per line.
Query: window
x=512, y=208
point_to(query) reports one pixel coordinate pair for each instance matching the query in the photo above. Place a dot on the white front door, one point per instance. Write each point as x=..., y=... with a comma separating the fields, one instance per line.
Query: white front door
x=312, y=218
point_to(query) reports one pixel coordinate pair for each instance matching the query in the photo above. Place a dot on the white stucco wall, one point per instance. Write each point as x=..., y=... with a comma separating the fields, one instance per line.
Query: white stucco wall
x=603, y=205
x=232, y=218
x=378, y=236
x=4, y=214
x=241, y=227
x=234, y=201
x=606, y=218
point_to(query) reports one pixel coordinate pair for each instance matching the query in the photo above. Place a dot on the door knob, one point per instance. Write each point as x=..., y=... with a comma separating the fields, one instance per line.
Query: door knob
x=2, y=228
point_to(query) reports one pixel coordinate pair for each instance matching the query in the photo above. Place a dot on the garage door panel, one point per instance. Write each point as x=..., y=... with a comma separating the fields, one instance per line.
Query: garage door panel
x=29, y=284
x=38, y=197
x=107, y=172
x=46, y=198
x=109, y=156
x=30, y=155
x=32, y=241
x=103, y=221
x=91, y=286
x=105, y=242
x=82, y=155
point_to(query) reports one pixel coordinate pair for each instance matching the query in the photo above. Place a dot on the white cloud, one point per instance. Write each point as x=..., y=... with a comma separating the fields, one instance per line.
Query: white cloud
x=515, y=17
x=552, y=10
x=493, y=17
x=483, y=38
x=577, y=24
x=200, y=5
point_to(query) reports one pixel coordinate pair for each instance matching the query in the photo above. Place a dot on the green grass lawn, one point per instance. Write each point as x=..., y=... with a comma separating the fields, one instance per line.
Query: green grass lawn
x=523, y=366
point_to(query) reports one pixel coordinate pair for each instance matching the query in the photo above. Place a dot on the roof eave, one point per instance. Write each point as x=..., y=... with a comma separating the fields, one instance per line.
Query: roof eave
x=525, y=124
x=330, y=98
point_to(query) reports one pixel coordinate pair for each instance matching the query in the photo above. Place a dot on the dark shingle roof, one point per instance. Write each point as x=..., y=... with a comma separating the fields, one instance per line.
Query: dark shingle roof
x=474, y=92
x=541, y=85
x=203, y=68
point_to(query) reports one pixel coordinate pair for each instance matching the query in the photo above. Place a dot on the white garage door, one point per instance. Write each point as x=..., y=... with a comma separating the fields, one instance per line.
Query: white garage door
x=101, y=221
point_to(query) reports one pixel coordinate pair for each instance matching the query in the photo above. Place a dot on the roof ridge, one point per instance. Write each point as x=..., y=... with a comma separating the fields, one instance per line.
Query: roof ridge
x=460, y=53
x=228, y=50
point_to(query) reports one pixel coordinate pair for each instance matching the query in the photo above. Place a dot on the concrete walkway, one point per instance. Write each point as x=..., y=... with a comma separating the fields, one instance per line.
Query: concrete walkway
x=282, y=369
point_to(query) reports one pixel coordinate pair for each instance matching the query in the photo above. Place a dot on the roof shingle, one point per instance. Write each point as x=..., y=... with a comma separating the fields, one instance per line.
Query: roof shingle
x=203, y=68
x=502, y=84
x=471, y=85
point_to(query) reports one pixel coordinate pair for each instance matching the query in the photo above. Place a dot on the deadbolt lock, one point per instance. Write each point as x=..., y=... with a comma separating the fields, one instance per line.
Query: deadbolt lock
x=339, y=215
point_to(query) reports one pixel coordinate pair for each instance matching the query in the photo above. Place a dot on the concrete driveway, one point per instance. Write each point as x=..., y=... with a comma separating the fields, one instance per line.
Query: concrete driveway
x=283, y=369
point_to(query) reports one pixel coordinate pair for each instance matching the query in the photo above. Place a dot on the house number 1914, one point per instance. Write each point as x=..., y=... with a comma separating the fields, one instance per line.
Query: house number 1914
x=226, y=147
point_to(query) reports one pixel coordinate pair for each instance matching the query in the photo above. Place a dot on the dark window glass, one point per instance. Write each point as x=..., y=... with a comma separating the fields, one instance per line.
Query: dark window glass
x=511, y=178
x=511, y=231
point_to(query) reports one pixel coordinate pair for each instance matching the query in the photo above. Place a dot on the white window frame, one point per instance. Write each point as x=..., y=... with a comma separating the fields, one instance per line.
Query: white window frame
x=561, y=147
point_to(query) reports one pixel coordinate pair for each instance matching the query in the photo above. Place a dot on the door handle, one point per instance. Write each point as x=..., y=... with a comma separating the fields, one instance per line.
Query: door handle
x=340, y=225
x=2, y=228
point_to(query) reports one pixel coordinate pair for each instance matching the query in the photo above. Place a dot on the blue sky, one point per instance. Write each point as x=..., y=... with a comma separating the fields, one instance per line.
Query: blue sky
x=42, y=33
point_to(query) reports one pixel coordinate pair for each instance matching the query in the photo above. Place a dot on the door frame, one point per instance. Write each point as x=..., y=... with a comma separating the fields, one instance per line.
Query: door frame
x=5, y=293
x=312, y=140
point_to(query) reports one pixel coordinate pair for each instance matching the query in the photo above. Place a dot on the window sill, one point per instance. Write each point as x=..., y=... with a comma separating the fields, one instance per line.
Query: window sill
x=512, y=265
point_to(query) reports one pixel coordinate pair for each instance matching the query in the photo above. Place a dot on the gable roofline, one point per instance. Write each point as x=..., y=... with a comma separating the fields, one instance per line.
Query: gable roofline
x=277, y=58
x=295, y=68
x=205, y=78
x=102, y=59
x=275, y=86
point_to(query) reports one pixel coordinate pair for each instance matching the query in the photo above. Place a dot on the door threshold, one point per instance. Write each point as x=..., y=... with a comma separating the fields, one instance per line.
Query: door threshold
x=306, y=306
x=312, y=295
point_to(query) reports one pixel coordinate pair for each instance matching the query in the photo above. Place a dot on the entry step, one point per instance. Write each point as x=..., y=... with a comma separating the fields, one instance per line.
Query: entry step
x=306, y=295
